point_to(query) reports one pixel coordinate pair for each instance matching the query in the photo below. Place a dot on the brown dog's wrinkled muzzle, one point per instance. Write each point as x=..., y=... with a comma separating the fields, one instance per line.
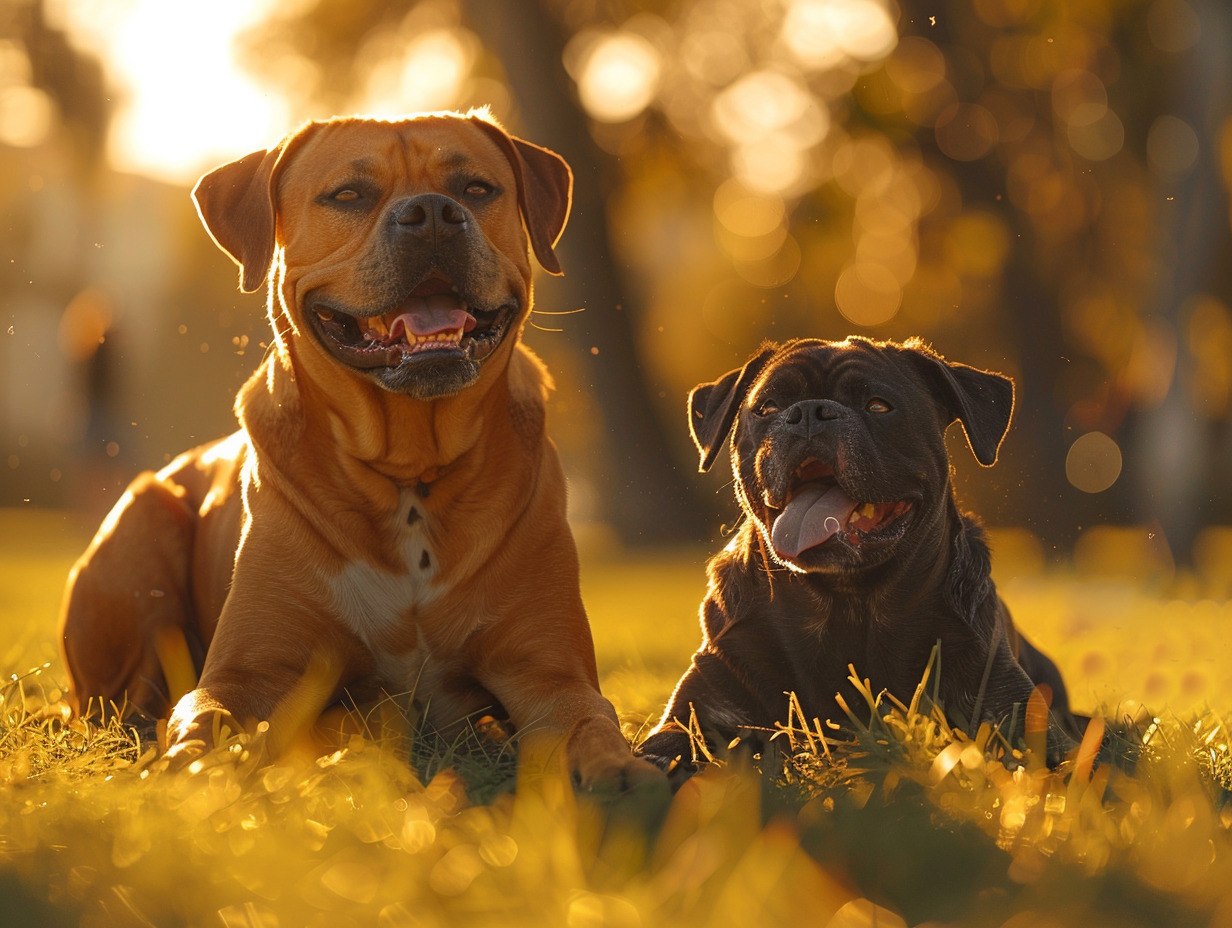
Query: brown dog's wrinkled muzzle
x=434, y=319
x=434, y=301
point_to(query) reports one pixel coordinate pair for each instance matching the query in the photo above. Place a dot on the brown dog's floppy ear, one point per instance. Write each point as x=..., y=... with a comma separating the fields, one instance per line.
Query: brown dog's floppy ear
x=713, y=406
x=236, y=205
x=545, y=191
x=981, y=400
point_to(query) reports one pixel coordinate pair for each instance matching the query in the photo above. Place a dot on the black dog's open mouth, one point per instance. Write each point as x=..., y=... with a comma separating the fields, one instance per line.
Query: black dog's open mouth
x=817, y=510
x=434, y=320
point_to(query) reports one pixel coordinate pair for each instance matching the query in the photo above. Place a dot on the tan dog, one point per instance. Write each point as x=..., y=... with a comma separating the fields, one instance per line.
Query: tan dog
x=390, y=515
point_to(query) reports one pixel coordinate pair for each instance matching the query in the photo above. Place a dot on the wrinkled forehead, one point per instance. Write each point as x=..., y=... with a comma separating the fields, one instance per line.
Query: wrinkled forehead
x=422, y=152
x=829, y=370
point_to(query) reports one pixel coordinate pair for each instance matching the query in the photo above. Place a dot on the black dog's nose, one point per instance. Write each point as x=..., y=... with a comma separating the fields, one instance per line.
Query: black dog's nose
x=429, y=216
x=804, y=416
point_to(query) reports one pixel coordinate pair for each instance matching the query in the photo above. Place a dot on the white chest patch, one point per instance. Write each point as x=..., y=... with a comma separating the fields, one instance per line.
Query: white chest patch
x=373, y=601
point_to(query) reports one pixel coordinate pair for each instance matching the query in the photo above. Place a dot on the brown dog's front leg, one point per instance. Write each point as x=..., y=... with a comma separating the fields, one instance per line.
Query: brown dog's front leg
x=271, y=660
x=288, y=696
x=548, y=695
x=584, y=723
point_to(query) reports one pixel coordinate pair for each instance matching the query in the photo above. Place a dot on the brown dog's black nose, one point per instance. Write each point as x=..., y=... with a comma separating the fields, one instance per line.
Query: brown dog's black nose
x=803, y=417
x=429, y=216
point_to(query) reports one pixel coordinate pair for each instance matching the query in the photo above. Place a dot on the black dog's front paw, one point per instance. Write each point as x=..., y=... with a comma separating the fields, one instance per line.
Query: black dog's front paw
x=1061, y=744
x=673, y=752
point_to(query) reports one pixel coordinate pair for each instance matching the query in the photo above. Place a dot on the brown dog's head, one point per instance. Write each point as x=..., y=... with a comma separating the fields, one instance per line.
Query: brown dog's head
x=398, y=247
x=838, y=448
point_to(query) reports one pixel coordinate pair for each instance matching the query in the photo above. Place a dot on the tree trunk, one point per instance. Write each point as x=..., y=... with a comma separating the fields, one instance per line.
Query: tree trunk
x=649, y=500
x=1173, y=452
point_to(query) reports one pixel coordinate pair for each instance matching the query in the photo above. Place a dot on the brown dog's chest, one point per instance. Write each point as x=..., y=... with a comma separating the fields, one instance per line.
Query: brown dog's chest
x=375, y=600
x=413, y=619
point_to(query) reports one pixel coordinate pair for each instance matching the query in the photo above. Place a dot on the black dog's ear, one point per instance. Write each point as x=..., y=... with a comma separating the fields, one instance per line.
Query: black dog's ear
x=713, y=406
x=981, y=400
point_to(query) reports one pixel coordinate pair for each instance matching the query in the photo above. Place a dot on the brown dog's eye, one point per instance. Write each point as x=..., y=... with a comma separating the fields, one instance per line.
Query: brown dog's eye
x=876, y=404
x=766, y=408
x=478, y=188
x=345, y=195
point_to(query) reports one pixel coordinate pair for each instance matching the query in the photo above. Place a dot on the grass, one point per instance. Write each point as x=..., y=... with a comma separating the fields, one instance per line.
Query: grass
x=906, y=822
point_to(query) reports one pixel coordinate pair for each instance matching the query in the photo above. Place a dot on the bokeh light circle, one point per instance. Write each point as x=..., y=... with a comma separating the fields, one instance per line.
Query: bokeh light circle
x=966, y=131
x=868, y=294
x=821, y=33
x=619, y=77
x=1171, y=147
x=1093, y=463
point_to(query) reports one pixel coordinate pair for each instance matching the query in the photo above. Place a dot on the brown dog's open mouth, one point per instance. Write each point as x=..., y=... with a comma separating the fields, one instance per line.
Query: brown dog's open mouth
x=433, y=320
x=818, y=509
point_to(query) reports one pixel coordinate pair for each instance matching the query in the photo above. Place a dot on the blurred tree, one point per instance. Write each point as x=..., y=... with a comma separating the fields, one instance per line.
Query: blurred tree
x=1030, y=184
x=73, y=79
x=1179, y=453
x=56, y=112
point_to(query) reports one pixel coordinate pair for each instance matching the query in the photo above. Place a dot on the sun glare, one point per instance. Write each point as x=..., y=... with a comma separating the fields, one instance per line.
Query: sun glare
x=183, y=103
x=822, y=33
x=618, y=75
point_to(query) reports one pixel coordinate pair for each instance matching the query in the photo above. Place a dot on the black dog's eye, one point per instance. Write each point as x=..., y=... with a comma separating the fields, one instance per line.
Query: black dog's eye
x=877, y=404
x=766, y=407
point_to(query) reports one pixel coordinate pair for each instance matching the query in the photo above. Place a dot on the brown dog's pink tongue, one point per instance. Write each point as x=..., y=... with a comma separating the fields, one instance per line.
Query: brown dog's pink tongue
x=428, y=316
x=814, y=514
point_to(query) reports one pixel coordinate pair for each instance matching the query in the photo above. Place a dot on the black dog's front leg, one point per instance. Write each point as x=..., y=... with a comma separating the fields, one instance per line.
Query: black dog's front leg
x=710, y=708
x=1006, y=701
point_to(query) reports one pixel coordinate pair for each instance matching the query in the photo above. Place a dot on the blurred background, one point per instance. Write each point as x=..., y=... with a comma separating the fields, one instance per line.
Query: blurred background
x=1039, y=187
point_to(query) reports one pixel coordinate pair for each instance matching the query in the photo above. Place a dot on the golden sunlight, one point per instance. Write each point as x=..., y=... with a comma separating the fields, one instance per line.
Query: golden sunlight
x=823, y=34
x=26, y=113
x=428, y=73
x=617, y=74
x=186, y=104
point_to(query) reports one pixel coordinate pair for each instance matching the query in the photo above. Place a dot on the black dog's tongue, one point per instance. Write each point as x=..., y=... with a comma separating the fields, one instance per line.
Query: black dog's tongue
x=814, y=514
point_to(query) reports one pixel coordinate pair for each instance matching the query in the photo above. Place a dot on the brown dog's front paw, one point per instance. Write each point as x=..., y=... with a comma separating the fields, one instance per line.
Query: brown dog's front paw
x=183, y=753
x=615, y=776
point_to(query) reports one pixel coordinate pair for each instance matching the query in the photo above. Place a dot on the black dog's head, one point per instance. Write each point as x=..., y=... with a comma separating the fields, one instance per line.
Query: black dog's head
x=838, y=448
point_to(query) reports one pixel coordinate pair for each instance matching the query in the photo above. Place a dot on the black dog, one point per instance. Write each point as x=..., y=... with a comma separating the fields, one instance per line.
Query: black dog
x=853, y=550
